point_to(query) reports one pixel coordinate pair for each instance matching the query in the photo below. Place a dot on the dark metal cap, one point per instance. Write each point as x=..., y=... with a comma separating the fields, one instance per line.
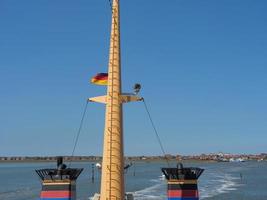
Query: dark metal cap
x=60, y=173
x=53, y=174
x=181, y=173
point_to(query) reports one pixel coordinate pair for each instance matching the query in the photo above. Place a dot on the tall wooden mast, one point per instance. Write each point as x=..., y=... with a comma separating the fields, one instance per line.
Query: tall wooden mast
x=112, y=179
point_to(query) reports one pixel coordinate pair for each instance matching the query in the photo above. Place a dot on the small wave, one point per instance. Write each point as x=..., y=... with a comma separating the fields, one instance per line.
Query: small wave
x=220, y=185
x=26, y=192
x=215, y=185
x=155, y=192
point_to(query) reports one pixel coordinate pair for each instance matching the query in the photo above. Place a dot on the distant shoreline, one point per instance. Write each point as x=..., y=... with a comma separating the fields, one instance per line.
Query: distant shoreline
x=203, y=157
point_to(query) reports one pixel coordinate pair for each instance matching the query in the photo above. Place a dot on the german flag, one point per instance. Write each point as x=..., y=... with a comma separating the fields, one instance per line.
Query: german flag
x=100, y=79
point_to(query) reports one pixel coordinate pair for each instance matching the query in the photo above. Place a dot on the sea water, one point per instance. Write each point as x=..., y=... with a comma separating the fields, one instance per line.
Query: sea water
x=220, y=181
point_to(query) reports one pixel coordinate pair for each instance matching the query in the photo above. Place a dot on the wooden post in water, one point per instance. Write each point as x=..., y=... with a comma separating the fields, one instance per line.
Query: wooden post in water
x=93, y=173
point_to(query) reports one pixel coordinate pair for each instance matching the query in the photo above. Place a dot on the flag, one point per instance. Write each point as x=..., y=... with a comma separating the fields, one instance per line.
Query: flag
x=100, y=79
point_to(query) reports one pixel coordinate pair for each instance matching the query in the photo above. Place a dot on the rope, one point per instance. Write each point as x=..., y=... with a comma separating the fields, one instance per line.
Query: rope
x=156, y=133
x=110, y=4
x=78, y=133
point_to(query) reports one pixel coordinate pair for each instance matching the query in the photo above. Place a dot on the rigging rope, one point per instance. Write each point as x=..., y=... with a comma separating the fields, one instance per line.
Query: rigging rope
x=110, y=4
x=156, y=133
x=78, y=133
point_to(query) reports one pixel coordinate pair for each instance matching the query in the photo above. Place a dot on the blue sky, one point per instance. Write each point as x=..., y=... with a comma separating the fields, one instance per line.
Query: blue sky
x=202, y=65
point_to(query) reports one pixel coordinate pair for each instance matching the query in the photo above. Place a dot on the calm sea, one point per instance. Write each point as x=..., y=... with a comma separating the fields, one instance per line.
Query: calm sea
x=220, y=181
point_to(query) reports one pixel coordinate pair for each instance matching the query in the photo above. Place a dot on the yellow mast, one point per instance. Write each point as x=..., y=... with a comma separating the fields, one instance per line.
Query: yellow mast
x=112, y=179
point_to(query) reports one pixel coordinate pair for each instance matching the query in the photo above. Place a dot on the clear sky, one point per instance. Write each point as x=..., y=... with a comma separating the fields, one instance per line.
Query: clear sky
x=202, y=66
